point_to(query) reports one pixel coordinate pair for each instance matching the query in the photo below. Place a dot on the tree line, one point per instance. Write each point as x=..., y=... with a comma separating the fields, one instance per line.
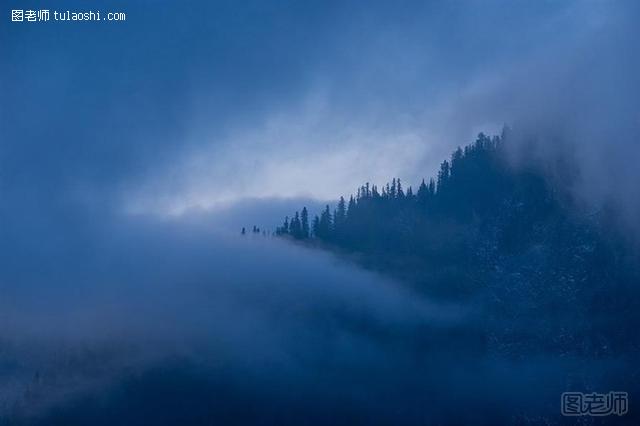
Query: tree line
x=372, y=210
x=513, y=234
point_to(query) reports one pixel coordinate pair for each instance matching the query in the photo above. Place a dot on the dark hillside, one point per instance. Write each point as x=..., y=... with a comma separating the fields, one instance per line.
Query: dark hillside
x=549, y=274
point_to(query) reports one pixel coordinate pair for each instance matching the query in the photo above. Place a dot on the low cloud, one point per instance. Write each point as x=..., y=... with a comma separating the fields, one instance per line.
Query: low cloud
x=148, y=292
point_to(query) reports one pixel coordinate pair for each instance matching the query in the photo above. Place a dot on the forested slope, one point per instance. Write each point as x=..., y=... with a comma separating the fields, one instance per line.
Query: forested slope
x=548, y=273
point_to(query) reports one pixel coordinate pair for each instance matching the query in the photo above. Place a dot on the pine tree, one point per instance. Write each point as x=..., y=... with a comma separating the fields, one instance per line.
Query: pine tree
x=443, y=175
x=341, y=213
x=455, y=158
x=432, y=187
x=304, y=223
x=399, y=192
x=295, y=227
x=351, y=209
x=423, y=193
x=316, y=226
x=324, y=228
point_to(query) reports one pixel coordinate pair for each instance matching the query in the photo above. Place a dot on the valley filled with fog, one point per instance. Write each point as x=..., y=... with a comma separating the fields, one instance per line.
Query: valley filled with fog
x=178, y=322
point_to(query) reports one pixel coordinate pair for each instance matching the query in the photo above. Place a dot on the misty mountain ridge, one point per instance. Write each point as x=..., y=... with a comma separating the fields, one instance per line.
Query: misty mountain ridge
x=550, y=272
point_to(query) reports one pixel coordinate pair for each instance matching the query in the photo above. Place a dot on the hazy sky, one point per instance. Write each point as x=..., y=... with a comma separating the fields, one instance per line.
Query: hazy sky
x=198, y=105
